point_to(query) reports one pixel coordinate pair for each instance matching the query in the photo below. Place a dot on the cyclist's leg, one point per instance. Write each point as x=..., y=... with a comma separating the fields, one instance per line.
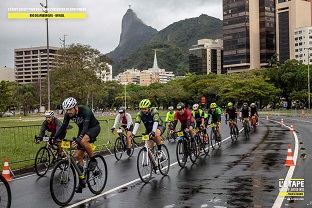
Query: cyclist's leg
x=128, y=135
x=219, y=131
x=192, y=125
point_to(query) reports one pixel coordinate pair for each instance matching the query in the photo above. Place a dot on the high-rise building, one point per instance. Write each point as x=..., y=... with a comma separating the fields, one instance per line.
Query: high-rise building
x=248, y=34
x=7, y=74
x=31, y=64
x=303, y=44
x=290, y=14
x=206, y=57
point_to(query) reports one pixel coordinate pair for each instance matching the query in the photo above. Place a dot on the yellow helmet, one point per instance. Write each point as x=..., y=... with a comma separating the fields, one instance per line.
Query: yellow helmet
x=145, y=103
x=213, y=105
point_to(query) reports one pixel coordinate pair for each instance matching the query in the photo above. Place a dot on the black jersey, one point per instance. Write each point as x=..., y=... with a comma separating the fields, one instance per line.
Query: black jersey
x=232, y=113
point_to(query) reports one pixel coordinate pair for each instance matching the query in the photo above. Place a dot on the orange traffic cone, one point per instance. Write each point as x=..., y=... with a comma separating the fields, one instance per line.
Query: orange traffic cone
x=282, y=122
x=289, y=158
x=267, y=118
x=20, y=119
x=292, y=129
x=6, y=170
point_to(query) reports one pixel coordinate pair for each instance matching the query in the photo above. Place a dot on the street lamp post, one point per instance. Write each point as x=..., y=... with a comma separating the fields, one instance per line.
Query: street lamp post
x=309, y=78
x=40, y=96
x=48, y=55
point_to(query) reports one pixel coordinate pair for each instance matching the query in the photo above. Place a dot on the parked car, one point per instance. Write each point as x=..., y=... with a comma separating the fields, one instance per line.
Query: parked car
x=7, y=114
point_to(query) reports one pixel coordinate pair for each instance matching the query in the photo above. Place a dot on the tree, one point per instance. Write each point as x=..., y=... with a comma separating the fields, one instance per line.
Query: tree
x=25, y=95
x=6, y=95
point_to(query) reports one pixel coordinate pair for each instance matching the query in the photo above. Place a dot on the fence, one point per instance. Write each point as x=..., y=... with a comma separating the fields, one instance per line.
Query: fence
x=287, y=112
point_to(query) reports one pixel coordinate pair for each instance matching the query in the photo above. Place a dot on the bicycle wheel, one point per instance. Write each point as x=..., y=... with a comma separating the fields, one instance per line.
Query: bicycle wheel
x=164, y=165
x=42, y=161
x=63, y=183
x=233, y=133
x=5, y=193
x=118, y=148
x=197, y=144
x=254, y=124
x=213, y=139
x=246, y=130
x=144, y=165
x=205, y=145
x=132, y=148
x=181, y=153
x=96, y=179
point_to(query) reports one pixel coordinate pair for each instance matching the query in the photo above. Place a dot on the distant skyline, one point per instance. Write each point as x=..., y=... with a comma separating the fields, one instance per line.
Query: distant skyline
x=102, y=27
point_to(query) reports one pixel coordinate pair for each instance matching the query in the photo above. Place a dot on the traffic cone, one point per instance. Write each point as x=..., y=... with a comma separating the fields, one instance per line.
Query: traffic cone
x=6, y=170
x=20, y=119
x=289, y=158
x=267, y=118
x=282, y=122
x=292, y=129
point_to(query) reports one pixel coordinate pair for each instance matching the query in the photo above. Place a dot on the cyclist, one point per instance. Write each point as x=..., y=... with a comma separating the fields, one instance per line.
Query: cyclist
x=199, y=116
x=89, y=129
x=215, y=114
x=52, y=124
x=231, y=112
x=254, y=111
x=245, y=114
x=152, y=122
x=186, y=119
x=170, y=117
x=125, y=120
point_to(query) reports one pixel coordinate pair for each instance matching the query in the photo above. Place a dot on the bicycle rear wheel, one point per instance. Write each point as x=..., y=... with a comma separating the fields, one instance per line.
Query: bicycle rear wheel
x=5, y=193
x=205, y=145
x=118, y=148
x=213, y=139
x=192, y=151
x=96, y=179
x=144, y=165
x=63, y=183
x=42, y=161
x=246, y=130
x=164, y=165
x=181, y=153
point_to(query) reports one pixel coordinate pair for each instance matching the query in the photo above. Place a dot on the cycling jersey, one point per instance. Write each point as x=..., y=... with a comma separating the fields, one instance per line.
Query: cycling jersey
x=151, y=121
x=125, y=121
x=232, y=113
x=85, y=120
x=245, y=112
x=186, y=119
x=253, y=111
x=198, y=116
x=215, y=116
x=170, y=116
x=52, y=127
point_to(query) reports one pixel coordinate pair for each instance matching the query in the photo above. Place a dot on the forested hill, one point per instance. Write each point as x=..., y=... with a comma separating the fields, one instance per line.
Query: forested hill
x=172, y=44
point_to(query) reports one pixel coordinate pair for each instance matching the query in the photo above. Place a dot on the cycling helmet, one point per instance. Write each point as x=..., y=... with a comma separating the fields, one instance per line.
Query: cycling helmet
x=252, y=105
x=230, y=104
x=69, y=103
x=180, y=106
x=49, y=113
x=121, y=110
x=245, y=104
x=146, y=103
x=213, y=105
x=170, y=108
x=195, y=106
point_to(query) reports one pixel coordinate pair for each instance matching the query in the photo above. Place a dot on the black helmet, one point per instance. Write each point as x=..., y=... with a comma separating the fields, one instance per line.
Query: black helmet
x=121, y=110
x=180, y=106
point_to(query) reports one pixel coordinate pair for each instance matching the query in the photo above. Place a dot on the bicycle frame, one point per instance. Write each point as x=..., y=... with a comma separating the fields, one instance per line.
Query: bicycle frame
x=149, y=149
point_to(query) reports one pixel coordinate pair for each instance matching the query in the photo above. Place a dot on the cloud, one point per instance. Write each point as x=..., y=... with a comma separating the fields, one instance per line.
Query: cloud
x=102, y=27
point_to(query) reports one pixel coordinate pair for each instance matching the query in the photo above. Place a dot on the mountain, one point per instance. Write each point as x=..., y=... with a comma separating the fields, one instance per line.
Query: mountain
x=172, y=44
x=134, y=33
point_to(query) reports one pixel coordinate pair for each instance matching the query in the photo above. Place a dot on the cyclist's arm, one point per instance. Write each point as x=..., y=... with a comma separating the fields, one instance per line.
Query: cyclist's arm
x=226, y=115
x=58, y=124
x=188, y=119
x=43, y=128
x=85, y=125
x=137, y=124
x=156, y=118
x=63, y=127
x=174, y=124
x=117, y=119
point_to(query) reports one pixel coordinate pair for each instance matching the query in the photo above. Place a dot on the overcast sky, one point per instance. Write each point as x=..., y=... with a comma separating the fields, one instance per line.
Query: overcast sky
x=102, y=27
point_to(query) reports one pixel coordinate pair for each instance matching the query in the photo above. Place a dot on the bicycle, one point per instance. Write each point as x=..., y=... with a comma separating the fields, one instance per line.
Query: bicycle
x=254, y=123
x=202, y=141
x=246, y=128
x=120, y=145
x=5, y=193
x=148, y=161
x=233, y=130
x=185, y=148
x=45, y=156
x=214, y=136
x=170, y=136
x=63, y=181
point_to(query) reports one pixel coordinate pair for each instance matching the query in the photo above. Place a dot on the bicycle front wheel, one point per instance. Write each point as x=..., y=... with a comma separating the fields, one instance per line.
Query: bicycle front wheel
x=192, y=151
x=118, y=148
x=42, y=161
x=5, y=193
x=246, y=130
x=164, y=163
x=96, y=179
x=181, y=153
x=144, y=165
x=63, y=183
x=213, y=139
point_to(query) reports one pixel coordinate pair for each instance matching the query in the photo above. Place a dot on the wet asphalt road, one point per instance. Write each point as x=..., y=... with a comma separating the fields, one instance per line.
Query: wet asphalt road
x=241, y=174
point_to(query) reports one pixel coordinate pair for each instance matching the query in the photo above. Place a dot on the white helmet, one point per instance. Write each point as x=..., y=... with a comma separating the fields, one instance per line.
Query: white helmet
x=170, y=108
x=252, y=105
x=69, y=103
x=49, y=113
x=195, y=106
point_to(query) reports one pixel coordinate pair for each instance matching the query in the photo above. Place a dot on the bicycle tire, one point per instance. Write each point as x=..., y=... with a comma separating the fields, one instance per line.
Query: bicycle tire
x=254, y=124
x=206, y=146
x=144, y=165
x=233, y=133
x=63, y=178
x=213, y=138
x=132, y=148
x=164, y=165
x=181, y=153
x=246, y=131
x=5, y=193
x=42, y=161
x=118, y=148
x=192, y=151
x=97, y=179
